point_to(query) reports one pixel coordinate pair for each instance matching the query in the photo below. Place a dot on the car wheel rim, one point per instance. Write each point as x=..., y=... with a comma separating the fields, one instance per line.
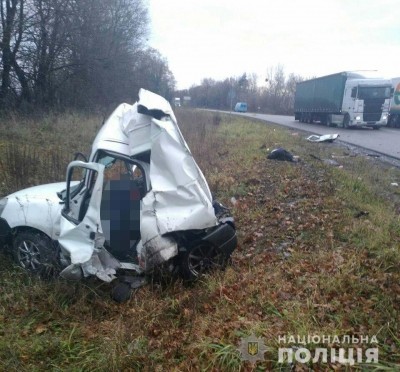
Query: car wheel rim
x=204, y=258
x=29, y=255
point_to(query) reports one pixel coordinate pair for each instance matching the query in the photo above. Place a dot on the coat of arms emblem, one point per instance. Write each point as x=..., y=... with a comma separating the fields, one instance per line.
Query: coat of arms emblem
x=252, y=348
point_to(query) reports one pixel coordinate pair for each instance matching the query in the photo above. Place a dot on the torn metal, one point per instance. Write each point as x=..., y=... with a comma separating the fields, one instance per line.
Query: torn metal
x=178, y=198
x=324, y=138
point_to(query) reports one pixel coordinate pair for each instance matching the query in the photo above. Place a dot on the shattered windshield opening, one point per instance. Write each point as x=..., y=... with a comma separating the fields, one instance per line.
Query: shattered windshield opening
x=121, y=168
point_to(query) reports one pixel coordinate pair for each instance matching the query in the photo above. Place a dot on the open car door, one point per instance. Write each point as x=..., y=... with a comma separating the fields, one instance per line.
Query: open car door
x=81, y=234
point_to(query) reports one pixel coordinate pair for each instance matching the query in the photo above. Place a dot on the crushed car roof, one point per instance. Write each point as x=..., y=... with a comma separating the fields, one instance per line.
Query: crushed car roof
x=179, y=198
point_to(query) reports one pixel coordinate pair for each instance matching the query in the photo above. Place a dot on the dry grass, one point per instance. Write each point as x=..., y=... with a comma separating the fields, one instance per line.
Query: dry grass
x=307, y=263
x=36, y=151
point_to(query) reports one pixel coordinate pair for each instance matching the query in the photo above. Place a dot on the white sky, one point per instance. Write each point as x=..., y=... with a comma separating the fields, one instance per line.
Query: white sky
x=223, y=38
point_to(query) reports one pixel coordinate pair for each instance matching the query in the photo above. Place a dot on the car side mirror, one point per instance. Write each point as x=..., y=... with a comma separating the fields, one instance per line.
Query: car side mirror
x=354, y=92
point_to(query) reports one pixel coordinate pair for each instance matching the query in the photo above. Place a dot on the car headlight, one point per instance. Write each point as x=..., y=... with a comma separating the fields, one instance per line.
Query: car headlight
x=358, y=118
x=384, y=117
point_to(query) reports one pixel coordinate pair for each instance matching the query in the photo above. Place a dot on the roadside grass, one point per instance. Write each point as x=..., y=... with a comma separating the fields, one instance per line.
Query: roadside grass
x=318, y=254
x=36, y=151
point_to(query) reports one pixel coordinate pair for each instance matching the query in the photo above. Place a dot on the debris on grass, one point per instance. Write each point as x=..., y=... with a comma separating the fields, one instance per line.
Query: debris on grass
x=323, y=138
x=361, y=214
x=283, y=155
x=331, y=162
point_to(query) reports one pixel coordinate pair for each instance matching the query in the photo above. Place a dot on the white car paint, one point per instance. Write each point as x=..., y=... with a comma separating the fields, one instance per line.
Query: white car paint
x=37, y=207
x=179, y=197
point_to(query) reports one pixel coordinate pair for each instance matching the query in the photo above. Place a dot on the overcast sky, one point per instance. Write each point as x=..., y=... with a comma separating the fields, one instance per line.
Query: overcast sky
x=223, y=38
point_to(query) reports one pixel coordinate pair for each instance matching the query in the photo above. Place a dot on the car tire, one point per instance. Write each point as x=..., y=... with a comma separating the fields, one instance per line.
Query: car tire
x=121, y=292
x=35, y=252
x=201, y=259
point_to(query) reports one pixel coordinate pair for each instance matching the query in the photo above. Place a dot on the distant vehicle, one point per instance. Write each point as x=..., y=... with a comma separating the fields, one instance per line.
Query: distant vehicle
x=394, y=113
x=241, y=107
x=177, y=102
x=345, y=99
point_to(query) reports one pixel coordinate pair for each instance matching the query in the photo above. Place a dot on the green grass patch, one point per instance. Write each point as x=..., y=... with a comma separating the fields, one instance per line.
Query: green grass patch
x=318, y=254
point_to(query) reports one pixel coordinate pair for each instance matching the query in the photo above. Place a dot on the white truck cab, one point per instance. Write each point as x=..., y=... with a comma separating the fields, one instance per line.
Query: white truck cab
x=366, y=102
x=344, y=99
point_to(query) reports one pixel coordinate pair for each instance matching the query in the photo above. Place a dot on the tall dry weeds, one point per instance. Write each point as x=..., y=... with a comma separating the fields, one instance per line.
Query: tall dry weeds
x=35, y=151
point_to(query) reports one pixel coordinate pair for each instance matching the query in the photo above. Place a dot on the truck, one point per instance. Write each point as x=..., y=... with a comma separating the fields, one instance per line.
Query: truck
x=345, y=99
x=394, y=113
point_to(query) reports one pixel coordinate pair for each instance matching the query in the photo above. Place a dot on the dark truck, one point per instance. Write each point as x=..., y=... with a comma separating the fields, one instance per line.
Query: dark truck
x=345, y=99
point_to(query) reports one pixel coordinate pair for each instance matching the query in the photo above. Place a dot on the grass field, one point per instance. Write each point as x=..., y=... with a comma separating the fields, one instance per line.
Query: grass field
x=318, y=254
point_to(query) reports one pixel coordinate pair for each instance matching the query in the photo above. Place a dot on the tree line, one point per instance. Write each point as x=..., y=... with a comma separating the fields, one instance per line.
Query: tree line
x=274, y=94
x=77, y=54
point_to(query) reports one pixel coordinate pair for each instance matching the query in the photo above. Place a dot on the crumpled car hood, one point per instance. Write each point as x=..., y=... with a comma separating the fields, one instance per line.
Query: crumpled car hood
x=179, y=198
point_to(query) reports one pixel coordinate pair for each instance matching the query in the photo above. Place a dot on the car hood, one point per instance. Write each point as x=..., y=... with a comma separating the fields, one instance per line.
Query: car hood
x=178, y=199
x=38, y=207
x=128, y=131
x=48, y=191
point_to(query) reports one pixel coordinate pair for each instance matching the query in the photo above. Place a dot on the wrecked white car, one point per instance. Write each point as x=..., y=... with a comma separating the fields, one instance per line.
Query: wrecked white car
x=140, y=202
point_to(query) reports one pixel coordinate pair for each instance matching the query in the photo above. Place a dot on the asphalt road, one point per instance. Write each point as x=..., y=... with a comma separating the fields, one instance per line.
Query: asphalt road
x=385, y=140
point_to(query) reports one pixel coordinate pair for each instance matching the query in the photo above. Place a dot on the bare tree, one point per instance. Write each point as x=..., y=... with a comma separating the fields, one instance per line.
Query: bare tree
x=152, y=72
x=276, y=96
x=12, y=27
x=77, y=53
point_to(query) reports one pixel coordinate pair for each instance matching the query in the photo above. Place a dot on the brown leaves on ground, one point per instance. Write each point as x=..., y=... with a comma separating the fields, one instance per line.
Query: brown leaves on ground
x=304, y=265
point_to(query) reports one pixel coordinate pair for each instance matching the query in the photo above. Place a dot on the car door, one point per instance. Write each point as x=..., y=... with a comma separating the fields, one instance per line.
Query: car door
x=80, y=226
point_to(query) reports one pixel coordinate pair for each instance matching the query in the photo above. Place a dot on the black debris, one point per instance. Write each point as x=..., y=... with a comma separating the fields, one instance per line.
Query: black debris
x=280, y=154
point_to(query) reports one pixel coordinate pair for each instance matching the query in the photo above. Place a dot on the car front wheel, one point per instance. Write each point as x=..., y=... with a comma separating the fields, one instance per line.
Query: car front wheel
x=34, y=252
x=200, y=259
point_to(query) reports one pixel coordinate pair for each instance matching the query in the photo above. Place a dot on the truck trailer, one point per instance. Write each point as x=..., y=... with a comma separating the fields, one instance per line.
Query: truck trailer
x=394, y=113
x=345, y=99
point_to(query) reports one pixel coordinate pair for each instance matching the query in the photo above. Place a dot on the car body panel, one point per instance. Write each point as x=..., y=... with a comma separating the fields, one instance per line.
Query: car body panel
x=37, y=207
x=179, y=197
x=79, y=239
